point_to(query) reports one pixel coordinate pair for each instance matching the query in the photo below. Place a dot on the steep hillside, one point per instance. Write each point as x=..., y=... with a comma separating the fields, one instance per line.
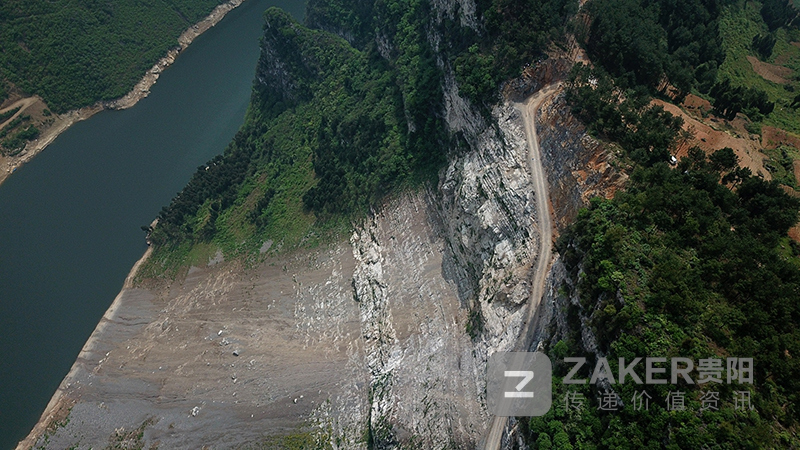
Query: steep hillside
x=341, y=273
x=336, y=123
x=339, y=276
x=688, y=261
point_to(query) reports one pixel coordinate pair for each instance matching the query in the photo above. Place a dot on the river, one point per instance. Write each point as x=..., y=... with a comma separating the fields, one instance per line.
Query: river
x=70, y=219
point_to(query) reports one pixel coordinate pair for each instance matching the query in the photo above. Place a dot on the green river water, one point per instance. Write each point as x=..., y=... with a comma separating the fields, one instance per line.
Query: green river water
x=70, y=219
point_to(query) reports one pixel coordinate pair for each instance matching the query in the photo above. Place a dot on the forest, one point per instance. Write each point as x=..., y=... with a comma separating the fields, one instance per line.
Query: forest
x=349, y=128
x=74, y=53
x=342, y=124
x=647, y=132
x=676, y=47
x=648, y=42
x=692, y=260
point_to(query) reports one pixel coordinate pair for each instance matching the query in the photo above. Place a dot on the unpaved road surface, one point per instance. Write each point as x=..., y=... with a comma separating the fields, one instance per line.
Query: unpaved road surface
x=22, y=104
x=528, y=110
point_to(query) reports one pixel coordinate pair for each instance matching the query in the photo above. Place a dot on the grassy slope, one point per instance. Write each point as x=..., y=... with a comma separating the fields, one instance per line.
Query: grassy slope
x=739, y=24
x=354, y=118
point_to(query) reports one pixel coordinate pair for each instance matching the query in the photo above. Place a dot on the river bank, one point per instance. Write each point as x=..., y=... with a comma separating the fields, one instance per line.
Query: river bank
x=56, y=124
x=60, y=405
x=70, y=228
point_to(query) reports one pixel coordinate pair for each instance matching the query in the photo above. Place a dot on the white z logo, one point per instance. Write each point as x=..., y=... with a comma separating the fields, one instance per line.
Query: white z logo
x=527, y=376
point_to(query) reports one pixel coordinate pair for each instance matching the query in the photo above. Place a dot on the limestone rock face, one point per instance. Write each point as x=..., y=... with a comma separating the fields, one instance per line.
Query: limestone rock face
x=424, y=263
x=489, y=214
x=383, y=336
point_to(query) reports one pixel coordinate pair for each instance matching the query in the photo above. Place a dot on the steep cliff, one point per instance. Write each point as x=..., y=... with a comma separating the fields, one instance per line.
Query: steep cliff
x=578, y=166
x=379, y=339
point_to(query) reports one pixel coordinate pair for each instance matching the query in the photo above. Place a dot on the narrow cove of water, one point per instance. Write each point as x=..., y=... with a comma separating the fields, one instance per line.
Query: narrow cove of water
x=70, y=219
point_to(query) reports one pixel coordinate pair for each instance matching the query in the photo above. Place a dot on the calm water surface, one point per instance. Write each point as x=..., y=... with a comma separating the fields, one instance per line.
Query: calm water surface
x=69, y=219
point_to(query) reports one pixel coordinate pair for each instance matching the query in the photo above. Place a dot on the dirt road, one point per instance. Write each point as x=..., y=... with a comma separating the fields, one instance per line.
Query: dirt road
x=528, y=110
x=22, y=104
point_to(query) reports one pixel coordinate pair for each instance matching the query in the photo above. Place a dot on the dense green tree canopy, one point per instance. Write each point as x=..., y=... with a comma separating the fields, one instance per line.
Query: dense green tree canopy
x=76, y=52
x=649, y=42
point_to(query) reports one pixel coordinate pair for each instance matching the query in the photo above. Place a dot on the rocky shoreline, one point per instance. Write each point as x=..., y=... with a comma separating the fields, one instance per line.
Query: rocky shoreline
x=61, y=122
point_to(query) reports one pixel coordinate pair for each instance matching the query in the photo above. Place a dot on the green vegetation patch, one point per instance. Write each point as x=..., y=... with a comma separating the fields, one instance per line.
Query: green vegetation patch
x=6, y=115
x=625, y=116
x=689, y=262
x=740, y=24
x=703, y=47
x=516, y=33
x=301, y=439
x=331, y=130
x=339, y=121
x=650, y=42
x=16, y=142
x=76, y=52
x=781, y=164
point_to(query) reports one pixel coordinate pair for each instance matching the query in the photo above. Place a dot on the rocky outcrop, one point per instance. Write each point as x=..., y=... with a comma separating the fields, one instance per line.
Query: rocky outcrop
x=541, y=73
x=488, y=208
x=382, y=349
x=284, y=71
x=424, y=379
x=465, y=11
x=578, y=166
x=379, y=340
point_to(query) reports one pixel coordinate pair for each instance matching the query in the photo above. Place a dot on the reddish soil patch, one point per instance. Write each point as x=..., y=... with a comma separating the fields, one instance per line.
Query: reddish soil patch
x=796, y=164
x=697, y=105
x=790, y=191
x=770, y=72
x=772, y=137
x=794, y=233
x=710, y=139
x=739, y=125
x=782, y=59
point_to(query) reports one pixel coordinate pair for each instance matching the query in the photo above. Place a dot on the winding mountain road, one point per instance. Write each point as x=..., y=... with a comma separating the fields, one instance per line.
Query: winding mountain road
x=528, y=110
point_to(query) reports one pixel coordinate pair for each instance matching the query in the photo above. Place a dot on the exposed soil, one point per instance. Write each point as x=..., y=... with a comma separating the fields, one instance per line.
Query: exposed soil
x=748, y=148
x=48, y=124
x=770, y=72
x=710, y=137
x=218, y=351
x=794, y=233
x=796, y=164
x=22, y=104
x=227, y=356
x=697, y=105
x=772, y=137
